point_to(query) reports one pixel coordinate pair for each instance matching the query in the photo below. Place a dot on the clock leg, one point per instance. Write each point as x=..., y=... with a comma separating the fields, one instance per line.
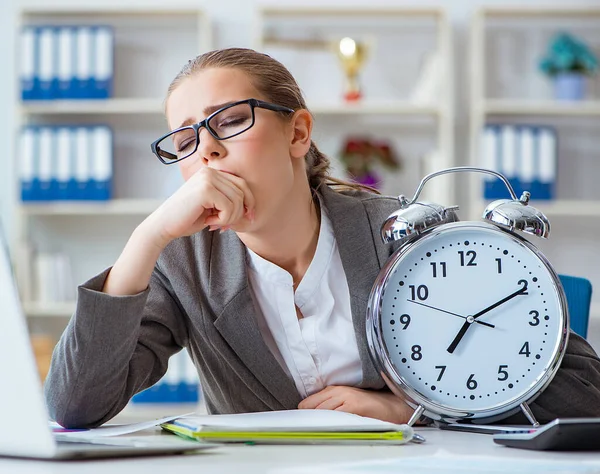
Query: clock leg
x=529, y=414
x=416, y=415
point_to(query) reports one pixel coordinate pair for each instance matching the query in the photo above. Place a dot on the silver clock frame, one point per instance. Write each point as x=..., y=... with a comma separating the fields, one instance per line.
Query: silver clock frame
x=410, y=235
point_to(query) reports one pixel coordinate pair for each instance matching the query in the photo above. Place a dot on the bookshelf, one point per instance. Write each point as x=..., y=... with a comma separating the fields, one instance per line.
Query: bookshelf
x=507, y=87
x=420, y=130
x=143, y=37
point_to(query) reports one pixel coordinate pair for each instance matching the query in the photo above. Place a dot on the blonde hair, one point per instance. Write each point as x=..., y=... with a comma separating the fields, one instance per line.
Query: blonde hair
x=277, y=85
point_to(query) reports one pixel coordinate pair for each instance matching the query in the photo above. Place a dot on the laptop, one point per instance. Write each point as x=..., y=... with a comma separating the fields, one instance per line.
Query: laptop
x=24, y=422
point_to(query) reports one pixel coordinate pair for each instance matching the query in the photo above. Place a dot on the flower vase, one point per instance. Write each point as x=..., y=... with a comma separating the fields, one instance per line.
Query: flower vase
x=569, y=86
x=368, y=179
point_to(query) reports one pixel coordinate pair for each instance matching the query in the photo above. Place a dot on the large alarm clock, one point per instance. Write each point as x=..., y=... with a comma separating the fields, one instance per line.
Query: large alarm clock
x=467, y=321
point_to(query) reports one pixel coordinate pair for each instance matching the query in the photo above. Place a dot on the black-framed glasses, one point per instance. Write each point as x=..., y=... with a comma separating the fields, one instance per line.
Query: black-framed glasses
x=227, y=122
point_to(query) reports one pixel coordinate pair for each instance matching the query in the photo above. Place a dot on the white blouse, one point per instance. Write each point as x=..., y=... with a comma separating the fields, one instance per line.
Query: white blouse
x=319, y=349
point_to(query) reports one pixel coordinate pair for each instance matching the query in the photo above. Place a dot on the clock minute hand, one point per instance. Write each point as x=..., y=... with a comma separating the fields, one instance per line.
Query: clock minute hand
x=450, y=312
x=520, y=291
x=472, y=319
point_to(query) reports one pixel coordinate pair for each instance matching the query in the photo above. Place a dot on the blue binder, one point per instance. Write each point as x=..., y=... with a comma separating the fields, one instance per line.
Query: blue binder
x=525, y=154
x=28, y=63
x=46, y=62
x=103, y=66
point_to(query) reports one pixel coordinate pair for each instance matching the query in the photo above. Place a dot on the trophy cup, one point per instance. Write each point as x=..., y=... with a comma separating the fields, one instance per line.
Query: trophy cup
x=352, y=55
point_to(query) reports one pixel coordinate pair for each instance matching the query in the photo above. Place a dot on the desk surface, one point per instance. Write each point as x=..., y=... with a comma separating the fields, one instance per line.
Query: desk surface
x=443, y=452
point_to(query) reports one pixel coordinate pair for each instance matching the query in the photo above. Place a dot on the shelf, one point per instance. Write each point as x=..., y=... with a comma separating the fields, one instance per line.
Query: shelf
x=547, y=107
x=568, y=207
x=90, y=107
x=350, y=11
x=95, y=9
x=133, y=207
x=539, y=11
x=559, y=207
x=155, y=106
x=369, y=108
x=49, y=310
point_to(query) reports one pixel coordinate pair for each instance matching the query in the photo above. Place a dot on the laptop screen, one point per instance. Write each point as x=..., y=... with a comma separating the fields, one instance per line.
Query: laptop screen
x=24, y=416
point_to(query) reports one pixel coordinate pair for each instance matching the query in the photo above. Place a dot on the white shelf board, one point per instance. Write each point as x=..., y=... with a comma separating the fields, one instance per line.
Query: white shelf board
x=345, y=11
x=100, y=106
x=50, y=310
x=97, y=8
x=78, y=208
x=544, y=107
x=155, y=106
x=369, y=108
x=555, y=208
x=568, y=207
x=539, y=11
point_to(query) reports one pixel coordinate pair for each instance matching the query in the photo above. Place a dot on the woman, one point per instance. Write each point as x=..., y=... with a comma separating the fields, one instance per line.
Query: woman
x=255, y=265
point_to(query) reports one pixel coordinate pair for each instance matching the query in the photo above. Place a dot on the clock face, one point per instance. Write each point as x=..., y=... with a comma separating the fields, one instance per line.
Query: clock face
x=471, y=319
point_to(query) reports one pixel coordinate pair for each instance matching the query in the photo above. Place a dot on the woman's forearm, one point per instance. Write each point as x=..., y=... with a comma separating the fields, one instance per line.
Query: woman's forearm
x=131, y=272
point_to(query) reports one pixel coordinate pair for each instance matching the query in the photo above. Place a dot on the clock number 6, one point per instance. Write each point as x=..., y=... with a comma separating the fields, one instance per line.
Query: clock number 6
x=471, y=382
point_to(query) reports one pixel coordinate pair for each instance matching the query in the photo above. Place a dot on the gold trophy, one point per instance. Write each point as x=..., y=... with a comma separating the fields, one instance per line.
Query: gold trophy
x=352, y=55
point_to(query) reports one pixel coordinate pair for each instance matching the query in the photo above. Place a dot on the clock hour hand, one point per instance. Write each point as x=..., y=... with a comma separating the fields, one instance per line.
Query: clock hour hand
x=449, y=312
x=459, y=336
x=472, y=319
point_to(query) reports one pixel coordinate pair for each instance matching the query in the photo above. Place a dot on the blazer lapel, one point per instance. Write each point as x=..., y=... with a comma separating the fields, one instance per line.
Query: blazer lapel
x=236, y=320
x=354, y=236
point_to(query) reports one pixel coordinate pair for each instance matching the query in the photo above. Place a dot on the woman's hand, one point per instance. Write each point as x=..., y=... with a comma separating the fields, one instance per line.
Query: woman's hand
x=209, y=198
x=382, y=405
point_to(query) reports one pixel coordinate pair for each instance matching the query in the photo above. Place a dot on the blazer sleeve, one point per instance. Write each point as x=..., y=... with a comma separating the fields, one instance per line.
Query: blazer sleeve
x=112, y=348
x=575, y=389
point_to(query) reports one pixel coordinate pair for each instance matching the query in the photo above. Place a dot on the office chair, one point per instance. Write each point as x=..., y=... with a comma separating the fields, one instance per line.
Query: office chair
x=579, y=295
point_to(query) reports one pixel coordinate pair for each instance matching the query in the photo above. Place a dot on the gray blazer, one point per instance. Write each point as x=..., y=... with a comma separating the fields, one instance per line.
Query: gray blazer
x=199, y=298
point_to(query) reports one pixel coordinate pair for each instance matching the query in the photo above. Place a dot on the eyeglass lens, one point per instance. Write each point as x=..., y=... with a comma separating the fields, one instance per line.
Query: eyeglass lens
x=227, y=123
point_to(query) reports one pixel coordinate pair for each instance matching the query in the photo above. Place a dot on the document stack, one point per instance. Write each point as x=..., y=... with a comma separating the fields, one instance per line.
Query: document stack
x=525, y=154
x=180, y=383
x=66, y=163
x=67, y=62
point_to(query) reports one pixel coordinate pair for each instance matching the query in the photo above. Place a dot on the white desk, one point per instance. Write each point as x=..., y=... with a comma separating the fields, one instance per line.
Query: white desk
x=443, y=452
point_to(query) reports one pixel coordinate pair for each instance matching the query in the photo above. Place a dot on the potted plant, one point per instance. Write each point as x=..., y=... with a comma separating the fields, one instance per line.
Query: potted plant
x=360, y=155
x=568, y=61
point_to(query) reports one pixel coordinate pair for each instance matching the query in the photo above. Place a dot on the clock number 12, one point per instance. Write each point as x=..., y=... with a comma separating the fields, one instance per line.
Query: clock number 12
x=471, y=255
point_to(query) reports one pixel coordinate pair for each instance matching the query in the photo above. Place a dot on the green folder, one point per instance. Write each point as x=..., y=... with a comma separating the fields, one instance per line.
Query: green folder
x=290, y=437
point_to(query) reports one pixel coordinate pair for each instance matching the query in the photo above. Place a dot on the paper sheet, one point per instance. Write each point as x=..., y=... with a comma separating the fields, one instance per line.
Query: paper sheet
x=288, y=420
x=108, y=430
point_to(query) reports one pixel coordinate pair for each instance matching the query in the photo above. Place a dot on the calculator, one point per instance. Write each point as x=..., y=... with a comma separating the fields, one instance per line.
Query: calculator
x=562, y=434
